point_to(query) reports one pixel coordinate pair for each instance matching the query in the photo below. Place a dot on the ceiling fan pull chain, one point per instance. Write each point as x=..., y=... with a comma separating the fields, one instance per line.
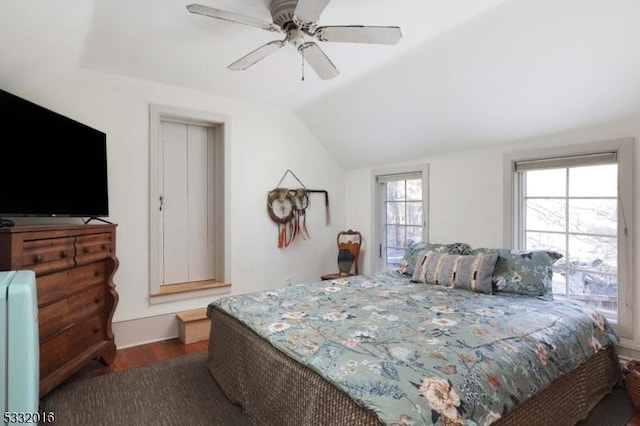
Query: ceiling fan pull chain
x=302, y=55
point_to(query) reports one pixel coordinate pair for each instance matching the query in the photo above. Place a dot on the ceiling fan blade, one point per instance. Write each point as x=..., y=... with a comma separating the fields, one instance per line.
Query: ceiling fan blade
x=232, y=17
x=258, y=54
x=320, y=63
x=309, y=11
x=359, y=34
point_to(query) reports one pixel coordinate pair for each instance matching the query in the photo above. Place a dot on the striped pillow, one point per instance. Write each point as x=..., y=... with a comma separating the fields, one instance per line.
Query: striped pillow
x=459, y=271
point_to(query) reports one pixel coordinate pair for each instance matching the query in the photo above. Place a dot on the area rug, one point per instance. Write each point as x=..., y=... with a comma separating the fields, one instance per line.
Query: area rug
x=615, y=409
x=181, y=391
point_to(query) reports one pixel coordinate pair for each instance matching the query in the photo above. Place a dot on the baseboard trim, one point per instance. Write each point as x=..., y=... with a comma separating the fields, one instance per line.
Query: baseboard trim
x=145, y=330
x=626, y=353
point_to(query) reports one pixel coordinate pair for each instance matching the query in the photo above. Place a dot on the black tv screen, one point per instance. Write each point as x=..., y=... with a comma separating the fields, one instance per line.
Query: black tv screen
x=52, y=165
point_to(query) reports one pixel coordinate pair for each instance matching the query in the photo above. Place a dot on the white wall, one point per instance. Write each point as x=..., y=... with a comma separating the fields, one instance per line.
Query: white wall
x=264, y=143
x=466, y=196
x=465, y=191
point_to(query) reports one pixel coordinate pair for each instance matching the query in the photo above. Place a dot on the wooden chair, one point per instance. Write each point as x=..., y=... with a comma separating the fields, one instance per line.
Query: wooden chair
x=347, y=240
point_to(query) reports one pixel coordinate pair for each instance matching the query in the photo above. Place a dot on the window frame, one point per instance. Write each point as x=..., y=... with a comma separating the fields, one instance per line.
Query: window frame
x=220, y=125
x=625, y=152
x=378, y=206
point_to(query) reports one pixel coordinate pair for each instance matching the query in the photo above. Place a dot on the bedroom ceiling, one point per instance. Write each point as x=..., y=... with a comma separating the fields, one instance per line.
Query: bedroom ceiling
x=466, y=73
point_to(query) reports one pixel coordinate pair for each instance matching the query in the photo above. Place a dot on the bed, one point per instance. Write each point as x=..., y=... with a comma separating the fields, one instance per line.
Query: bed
x=395, y=348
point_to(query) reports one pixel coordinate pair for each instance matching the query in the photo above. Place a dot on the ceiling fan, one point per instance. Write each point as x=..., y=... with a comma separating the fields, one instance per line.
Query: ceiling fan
x=298, y=20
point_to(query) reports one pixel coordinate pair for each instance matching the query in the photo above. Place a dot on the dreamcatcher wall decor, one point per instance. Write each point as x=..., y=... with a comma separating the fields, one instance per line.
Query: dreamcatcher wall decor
x=288, y=208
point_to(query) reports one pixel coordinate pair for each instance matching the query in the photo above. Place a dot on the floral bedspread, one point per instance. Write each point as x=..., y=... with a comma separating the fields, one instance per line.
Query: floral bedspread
x=420, y=353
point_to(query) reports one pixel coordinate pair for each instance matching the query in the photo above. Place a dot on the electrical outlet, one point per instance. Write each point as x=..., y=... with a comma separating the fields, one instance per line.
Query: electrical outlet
x=287, y=281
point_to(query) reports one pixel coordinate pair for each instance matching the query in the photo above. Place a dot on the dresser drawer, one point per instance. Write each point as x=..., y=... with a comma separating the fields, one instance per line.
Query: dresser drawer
x=90, y=248
x=61, y=285
x=48, y=255
x=60, y=315
x=74, y=266
x=74, y=341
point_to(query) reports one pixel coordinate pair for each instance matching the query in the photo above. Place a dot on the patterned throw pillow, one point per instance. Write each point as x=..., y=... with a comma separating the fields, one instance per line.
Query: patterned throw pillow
x=525, y=272
x=458, y=271
x=416, y=250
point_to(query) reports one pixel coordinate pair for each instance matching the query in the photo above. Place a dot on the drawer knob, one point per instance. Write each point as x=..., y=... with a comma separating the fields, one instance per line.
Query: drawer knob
x=104, y=246
x=87, y=249
x=96, y=274
x=38, y=258
x=96, y=329
x=96, y=300
x=64, y=254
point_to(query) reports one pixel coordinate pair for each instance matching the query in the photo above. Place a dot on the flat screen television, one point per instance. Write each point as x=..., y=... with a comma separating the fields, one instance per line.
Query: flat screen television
x=50, y=164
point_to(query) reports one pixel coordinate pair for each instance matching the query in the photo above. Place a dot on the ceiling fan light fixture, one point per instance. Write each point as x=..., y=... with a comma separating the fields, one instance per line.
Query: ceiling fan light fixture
x=296, y=37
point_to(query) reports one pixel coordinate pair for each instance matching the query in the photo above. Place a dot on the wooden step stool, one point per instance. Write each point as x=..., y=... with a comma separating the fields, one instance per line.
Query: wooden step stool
x=193, y=326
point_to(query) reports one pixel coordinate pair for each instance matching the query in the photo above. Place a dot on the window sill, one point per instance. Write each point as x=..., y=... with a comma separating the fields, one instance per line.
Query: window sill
x=189, y=290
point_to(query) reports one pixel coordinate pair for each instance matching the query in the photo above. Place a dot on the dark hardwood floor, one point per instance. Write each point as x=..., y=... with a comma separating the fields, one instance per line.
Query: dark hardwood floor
x=137, y=356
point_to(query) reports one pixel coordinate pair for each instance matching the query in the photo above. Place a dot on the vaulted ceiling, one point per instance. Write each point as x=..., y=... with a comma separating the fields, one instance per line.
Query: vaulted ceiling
x=466, y=73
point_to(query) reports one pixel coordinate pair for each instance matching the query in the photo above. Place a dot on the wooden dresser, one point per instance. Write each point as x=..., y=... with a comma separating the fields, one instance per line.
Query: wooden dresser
x=74, y=266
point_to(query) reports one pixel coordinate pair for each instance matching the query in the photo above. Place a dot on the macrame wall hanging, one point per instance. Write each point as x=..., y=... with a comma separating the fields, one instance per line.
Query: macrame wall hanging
x=288, y=208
